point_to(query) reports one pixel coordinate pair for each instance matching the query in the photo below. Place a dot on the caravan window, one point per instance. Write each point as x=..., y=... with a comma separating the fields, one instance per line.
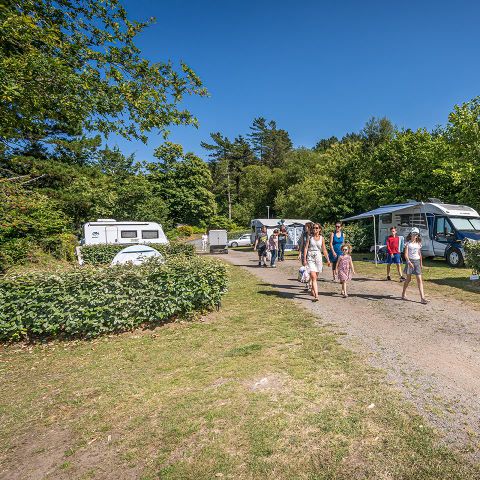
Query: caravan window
x=149, y=234
x=412, y=220
x=128, y=234
x=386, y=218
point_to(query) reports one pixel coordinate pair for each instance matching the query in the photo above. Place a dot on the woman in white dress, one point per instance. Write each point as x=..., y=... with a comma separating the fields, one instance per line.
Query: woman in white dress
x=314, y=248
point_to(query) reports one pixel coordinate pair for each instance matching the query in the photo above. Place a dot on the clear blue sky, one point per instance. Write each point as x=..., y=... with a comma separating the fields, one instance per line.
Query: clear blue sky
x=317, y=68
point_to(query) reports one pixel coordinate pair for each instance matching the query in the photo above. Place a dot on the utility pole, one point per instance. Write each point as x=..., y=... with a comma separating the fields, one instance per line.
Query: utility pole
x=268, y=211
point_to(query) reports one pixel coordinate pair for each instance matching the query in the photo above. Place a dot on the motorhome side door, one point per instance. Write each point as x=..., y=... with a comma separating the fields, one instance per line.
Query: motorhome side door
x=443, y=234
x=111, y=234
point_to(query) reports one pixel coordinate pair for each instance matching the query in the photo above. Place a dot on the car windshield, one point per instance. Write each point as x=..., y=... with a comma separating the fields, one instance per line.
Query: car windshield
x=464, y=223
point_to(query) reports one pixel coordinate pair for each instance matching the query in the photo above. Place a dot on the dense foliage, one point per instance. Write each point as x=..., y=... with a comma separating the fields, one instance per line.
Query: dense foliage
x=87, y=302
x=472, y=258
x=103, y=254
x=380, y=164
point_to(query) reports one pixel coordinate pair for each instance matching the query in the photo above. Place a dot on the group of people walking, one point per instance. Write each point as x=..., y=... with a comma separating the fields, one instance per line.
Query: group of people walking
x=312, y=250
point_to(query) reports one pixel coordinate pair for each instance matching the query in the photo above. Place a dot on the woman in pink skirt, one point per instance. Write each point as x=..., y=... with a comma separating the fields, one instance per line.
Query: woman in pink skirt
x=344, y=269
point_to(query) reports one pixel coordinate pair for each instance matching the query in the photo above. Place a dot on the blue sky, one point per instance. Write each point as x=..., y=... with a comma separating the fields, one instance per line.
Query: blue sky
x=318, y=68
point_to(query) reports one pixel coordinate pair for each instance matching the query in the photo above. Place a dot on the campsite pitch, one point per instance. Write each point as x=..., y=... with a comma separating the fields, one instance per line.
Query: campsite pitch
x=258, y=390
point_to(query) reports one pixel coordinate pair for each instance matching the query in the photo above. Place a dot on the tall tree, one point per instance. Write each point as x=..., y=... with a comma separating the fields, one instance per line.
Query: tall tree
x=220, y=153
x=70, y=65
x=185, y=183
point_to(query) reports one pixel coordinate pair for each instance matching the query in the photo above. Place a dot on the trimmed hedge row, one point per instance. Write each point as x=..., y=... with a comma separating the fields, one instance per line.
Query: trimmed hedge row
x=103, y=254
x=91, y=301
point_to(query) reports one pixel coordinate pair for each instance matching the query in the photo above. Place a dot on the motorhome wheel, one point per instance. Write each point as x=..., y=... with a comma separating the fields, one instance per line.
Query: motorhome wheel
x=454, y=257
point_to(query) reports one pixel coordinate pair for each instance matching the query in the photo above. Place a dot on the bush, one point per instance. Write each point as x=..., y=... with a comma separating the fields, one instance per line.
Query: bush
x=103, y=254
x=87, y=302
x=472, y=255
x=358, y=235
x=222, y=223
x=18, y=251
x=61, y=246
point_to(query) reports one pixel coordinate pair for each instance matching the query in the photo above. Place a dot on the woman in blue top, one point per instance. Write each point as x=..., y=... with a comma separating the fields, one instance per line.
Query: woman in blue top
x=337, y=239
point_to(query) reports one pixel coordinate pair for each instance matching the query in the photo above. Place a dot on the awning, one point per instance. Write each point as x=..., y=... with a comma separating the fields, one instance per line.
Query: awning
x=382, y=211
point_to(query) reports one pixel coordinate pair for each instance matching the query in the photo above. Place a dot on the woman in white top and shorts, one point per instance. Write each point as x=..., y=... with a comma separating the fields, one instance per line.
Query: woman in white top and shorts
x=314, y=248
x=413, y=256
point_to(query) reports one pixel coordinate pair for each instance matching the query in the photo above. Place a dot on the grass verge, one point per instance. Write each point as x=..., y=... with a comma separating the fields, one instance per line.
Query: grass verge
x=253, y=391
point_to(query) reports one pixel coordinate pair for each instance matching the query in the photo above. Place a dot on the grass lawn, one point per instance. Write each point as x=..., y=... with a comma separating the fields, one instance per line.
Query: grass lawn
x=255, y=391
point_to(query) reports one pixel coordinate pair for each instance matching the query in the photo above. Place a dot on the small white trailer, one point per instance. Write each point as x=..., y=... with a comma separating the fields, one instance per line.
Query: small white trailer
x=107, y=231
x=443, y=227
x=217, y=239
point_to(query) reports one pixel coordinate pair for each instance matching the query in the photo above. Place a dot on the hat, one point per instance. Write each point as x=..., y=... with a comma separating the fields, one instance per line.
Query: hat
x=415, y=230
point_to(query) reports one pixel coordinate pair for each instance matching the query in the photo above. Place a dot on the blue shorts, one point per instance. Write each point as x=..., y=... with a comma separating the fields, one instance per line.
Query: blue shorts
x=394, y=258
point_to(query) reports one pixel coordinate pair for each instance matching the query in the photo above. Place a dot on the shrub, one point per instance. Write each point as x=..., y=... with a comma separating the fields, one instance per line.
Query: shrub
x=103, y=254
x=91, y=301
x=61, y=246
x=360, y=236
x=472, y=255
x=18, y=251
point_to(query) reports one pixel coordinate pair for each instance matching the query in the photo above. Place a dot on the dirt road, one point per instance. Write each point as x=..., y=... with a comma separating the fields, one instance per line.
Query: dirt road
x=431, y=352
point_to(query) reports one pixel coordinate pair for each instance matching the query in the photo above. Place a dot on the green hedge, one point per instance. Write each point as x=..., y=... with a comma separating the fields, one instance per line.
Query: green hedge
x=91, y=301
x=360, y=236
x=103, y=254
x=472, y=255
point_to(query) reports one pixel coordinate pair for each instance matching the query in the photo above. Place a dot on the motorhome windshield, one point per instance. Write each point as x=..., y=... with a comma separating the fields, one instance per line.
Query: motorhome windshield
x=464, y=223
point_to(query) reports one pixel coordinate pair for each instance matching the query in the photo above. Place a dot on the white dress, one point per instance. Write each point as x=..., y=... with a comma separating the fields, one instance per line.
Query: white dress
x=314, y=255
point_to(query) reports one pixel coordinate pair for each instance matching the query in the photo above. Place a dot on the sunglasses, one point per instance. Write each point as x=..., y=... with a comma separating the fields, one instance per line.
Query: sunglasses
x=337, y=226
x=316, y=228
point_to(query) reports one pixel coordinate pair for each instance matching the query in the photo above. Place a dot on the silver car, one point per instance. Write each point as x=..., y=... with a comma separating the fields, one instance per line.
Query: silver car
x=242, y=241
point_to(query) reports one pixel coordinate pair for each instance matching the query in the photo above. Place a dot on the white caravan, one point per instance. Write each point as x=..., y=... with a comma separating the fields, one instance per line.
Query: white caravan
x=443, y=227
x=294, y=228
x=109, y=231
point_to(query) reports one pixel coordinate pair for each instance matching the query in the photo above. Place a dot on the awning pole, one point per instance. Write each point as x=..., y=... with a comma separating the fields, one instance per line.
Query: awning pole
x=375, y=239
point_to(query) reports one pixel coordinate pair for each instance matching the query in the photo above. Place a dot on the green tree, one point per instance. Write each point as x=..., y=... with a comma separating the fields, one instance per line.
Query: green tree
x=70, y=65
x=185, y=183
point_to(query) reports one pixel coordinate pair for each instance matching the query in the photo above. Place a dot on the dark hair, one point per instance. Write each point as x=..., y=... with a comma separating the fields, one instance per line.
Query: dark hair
x=419, y=237
x=394, y=227
x=339, y=222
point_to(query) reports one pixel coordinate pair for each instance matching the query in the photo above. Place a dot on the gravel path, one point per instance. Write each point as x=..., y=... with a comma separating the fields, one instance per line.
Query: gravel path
x=431, y=352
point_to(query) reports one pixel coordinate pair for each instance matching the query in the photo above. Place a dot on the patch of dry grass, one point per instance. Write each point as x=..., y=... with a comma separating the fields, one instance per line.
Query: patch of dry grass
x=253, y=391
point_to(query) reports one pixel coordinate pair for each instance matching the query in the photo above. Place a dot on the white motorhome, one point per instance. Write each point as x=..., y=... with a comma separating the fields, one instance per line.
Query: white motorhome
x=443, y=227
x=294, y=228
x=109, y=231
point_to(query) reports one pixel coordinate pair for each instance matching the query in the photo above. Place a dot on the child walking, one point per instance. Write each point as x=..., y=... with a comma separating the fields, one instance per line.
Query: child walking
x=413, y=256
x=344, y=269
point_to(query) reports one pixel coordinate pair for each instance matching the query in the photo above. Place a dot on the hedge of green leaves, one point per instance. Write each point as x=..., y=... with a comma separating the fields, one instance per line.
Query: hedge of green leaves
x=472, y=255
x=103, y=254
x=91, y=301
x=360, y=236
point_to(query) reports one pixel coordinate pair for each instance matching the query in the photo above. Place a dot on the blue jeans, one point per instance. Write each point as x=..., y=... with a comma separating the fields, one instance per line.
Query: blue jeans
x=281, y=250
x=274, y=257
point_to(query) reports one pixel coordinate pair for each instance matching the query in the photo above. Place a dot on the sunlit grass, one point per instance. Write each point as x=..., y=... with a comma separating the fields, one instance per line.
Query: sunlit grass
x=253, y=391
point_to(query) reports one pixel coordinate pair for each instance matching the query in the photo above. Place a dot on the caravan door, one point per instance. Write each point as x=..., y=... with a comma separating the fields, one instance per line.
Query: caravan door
x=443, y=234
x=111, y=234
